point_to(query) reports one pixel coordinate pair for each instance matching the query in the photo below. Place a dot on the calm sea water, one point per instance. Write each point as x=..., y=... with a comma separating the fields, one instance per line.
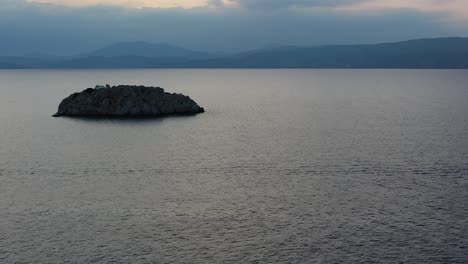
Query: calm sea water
x=286, y=166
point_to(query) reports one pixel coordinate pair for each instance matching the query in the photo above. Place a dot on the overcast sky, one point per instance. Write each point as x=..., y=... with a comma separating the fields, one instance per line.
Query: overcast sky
x=66, y=27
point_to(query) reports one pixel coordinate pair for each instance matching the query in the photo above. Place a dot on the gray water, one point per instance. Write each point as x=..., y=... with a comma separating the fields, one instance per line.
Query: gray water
x=286, y=166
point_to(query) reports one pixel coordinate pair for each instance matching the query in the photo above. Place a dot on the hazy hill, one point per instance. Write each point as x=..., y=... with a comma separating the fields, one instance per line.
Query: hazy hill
x=443, y=53
x=144, y=49
x=17, y=62
x=7, y=65
x=99, y=62
x=422, y=53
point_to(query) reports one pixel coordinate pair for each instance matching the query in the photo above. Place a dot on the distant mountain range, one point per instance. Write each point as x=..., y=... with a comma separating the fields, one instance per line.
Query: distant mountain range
x=148, y=50
x=438, y=53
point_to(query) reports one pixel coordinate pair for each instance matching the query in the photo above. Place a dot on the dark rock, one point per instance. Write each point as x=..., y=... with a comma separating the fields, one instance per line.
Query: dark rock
x=127, y=101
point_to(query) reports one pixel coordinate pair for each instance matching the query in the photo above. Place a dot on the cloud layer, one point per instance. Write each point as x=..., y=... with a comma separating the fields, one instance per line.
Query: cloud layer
x=454, y=9
x=457, y=6
x=218, y=25
x=128, y=3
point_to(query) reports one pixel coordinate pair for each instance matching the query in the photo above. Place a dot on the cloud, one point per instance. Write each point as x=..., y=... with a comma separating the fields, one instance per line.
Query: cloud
x=269, y=4
x=220, y=26
x=457, y=9
x=128, y=3
x=454, y=8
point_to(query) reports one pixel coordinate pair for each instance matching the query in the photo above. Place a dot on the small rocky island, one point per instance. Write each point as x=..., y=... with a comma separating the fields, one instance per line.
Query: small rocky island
x=126, y=101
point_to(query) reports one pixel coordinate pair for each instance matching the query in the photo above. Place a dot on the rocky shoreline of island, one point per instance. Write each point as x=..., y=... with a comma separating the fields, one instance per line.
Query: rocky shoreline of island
x=126, y=101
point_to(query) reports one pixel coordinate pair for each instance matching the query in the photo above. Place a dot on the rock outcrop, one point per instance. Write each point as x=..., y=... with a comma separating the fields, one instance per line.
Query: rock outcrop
x=126, y=101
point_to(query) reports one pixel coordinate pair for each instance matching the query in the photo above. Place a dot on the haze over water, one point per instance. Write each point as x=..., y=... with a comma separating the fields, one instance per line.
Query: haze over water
x=286, y=166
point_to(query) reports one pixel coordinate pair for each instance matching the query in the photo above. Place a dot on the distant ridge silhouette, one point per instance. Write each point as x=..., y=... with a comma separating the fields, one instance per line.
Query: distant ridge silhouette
x=145, y=49
x=436, y=53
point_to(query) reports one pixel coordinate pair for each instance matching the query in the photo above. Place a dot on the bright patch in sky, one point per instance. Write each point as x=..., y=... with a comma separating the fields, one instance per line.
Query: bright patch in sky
x=455, y=8
x=129, y=3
